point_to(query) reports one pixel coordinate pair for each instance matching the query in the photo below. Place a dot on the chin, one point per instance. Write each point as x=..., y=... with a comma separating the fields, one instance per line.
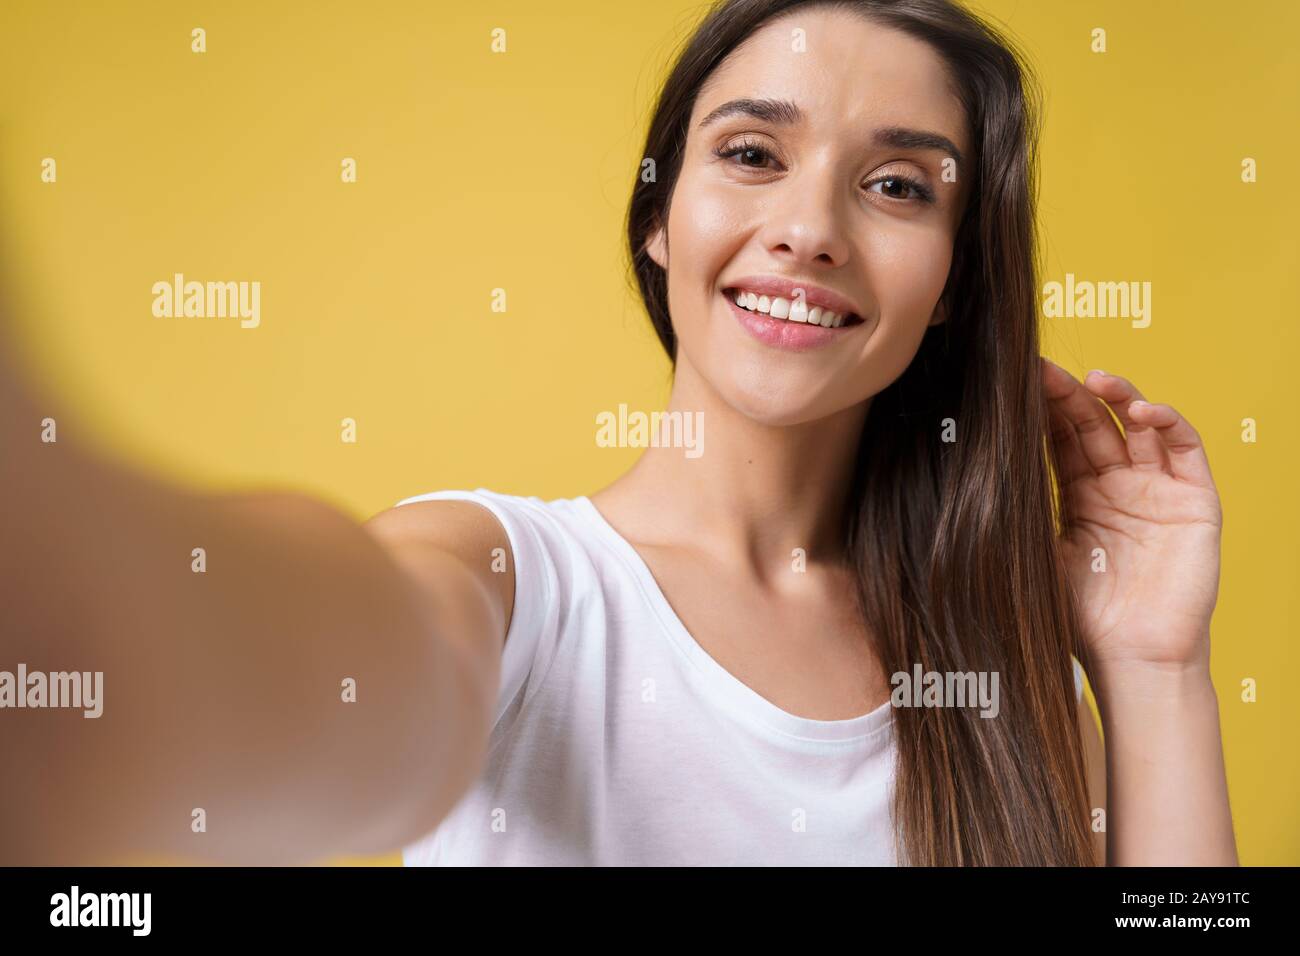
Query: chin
x=777, y=405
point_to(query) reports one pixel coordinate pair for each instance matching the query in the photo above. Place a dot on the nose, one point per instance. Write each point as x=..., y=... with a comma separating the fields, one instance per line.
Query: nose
x=805, y=224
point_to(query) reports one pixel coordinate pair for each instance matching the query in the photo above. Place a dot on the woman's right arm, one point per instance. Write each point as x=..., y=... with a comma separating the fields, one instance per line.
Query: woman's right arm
x=314, y=687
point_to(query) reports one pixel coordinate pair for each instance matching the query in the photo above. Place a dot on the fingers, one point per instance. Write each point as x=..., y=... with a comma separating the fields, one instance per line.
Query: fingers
x=1146, y=448
x=1073, y=463
x=1155, y=437
x=1099, y=439
x=1187, y=458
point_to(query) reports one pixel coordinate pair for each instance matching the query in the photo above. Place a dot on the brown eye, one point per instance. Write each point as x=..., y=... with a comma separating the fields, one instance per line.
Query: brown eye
x=901, y=189
x=896, y=188
x=747, y=154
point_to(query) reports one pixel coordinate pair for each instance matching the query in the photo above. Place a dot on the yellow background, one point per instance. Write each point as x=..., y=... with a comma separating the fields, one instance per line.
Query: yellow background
x=479, y=171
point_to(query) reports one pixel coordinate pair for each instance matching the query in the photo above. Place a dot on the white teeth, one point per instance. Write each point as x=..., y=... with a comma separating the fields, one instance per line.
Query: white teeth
x=793, y=311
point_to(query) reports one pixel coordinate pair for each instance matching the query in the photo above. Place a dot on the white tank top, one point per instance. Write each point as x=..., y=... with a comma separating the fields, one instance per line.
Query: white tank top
x=619, y=741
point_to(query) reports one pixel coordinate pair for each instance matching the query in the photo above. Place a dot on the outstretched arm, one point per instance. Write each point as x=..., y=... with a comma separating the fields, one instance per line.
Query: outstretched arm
x=225, y=685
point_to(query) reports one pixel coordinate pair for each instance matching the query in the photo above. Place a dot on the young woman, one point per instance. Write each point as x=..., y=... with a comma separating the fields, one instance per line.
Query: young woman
x=700, y=664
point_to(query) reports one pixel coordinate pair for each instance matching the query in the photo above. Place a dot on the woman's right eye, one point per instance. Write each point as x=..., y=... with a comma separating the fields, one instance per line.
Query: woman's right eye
x=749, y=154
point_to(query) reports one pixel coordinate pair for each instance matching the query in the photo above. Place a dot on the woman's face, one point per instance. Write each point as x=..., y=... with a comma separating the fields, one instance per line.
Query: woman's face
x=845, y=200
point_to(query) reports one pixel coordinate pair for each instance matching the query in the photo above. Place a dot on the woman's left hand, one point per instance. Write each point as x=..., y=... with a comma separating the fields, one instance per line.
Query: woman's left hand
x=1145, y=498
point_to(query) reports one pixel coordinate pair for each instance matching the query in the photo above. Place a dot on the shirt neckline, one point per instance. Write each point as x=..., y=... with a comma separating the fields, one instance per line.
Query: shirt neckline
x=736, y=693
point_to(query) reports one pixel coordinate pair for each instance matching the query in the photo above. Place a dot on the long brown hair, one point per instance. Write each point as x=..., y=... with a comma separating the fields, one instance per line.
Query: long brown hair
x=954, y=543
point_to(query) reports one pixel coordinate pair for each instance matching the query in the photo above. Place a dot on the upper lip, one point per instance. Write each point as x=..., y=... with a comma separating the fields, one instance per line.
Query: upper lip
x=814, y=295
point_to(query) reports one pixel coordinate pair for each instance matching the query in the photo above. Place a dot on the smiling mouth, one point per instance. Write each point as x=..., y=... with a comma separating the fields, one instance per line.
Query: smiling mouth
x=790, y=310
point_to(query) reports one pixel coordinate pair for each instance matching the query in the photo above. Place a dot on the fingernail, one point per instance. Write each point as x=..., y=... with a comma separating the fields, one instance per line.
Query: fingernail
x=1137, y=403
x=1097, y=371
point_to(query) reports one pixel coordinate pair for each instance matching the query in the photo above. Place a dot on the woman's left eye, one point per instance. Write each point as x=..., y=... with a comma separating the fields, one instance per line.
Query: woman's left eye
x=901, y=188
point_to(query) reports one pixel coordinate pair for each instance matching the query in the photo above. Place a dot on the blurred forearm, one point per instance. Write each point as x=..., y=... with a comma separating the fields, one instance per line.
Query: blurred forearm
x=223, y=688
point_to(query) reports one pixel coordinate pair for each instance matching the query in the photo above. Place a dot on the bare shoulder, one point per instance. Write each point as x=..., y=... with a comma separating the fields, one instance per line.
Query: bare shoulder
x=1094, y=759
x=453, y=549
x=464, y=528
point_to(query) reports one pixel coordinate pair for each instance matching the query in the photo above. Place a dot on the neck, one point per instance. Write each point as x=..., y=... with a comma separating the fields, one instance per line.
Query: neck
x=755, y=493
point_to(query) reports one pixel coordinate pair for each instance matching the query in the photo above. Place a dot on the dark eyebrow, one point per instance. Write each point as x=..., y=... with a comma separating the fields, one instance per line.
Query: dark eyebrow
x=902, y=138
x=781, y=112
x=785, y=113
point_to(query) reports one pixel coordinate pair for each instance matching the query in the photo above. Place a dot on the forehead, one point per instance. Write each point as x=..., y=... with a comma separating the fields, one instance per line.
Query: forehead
x=852, y=73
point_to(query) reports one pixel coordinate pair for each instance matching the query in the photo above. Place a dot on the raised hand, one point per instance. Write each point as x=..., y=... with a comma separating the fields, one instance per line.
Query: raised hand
x=1144, y=497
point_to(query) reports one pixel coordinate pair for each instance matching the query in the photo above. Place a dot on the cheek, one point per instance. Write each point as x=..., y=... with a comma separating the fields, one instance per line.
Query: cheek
x=908, y=271
x=705, y=233
x=705, y=226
